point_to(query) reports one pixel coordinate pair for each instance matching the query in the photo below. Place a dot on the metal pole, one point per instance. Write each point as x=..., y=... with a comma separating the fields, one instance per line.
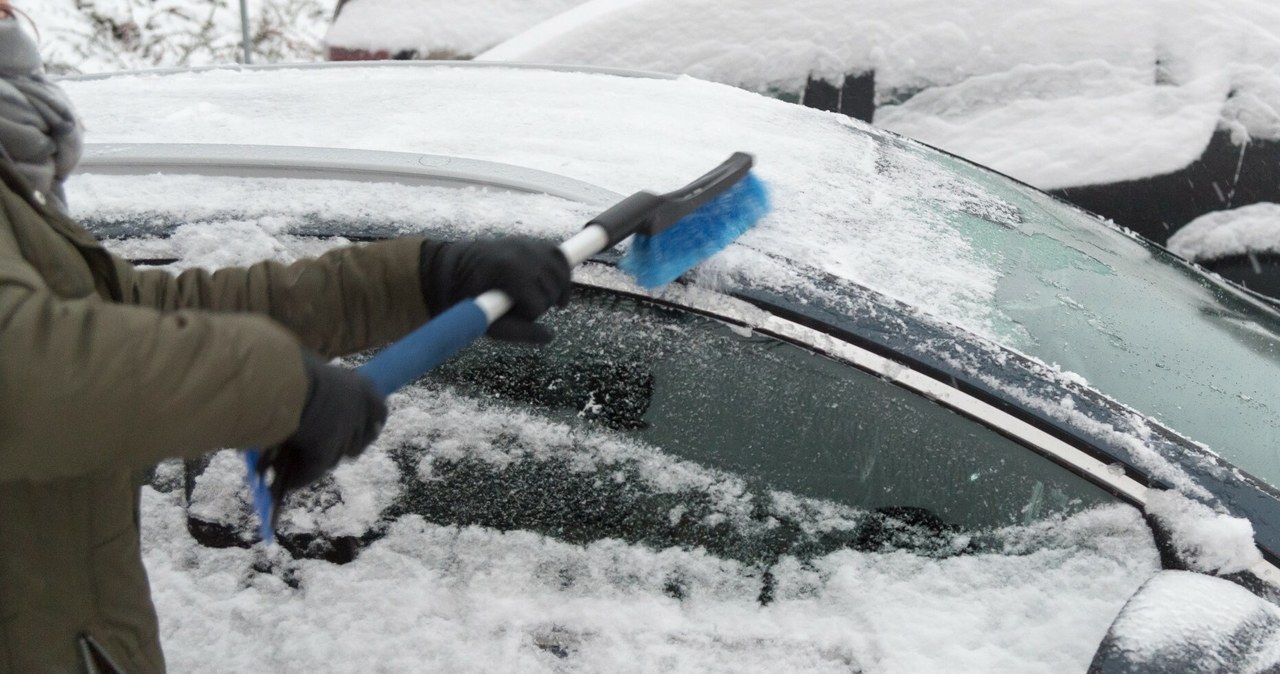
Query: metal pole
x=244, y=32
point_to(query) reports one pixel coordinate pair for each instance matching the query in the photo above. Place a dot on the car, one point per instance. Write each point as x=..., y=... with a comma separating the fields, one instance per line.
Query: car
x=365, y=30
x=922, y=417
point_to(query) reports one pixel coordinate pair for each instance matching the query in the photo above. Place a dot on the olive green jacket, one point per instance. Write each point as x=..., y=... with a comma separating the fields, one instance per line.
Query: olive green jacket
x=106, y=369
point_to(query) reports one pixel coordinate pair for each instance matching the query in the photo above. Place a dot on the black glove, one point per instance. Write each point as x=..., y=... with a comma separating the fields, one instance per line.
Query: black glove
x=343, y=415
x=534, y=273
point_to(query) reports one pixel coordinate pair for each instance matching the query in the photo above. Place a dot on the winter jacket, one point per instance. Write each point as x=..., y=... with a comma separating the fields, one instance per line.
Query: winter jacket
x=106, y=369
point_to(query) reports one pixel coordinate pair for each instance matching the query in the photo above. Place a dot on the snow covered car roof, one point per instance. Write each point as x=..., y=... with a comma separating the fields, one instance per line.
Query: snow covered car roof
x=430, y=29
x=934, y=274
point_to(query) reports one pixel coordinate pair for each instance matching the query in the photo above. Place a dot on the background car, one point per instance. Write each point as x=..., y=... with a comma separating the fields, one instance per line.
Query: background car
x=413, y=29
x=922, y=417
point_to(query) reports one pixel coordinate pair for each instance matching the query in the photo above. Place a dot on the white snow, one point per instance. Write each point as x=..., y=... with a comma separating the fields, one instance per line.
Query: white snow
x=1239, y=231
x=436, y=28
x=433, y=598
x=1053, y=93
x=1210, y=542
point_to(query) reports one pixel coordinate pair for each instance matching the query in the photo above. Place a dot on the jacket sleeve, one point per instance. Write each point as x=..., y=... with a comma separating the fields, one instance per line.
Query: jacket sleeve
x=346, y=300
x=101, y=385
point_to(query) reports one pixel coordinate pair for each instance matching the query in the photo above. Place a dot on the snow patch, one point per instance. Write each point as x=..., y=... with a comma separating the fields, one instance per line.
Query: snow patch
x=1239, y=231
x=1209, y=541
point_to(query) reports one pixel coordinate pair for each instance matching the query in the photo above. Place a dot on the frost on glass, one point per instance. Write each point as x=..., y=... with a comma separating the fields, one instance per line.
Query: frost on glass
x=1135, y=322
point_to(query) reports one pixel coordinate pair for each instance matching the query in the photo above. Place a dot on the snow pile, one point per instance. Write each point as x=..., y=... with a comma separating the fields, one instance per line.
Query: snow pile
x=435, y=28
x=1240, y=231
x=1209, y=541
x=1054, y=93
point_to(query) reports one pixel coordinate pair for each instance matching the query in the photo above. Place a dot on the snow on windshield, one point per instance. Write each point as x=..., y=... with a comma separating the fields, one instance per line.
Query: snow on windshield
x=1056, y=94
x=215, y=221
x=467, y=598
x=441, y=598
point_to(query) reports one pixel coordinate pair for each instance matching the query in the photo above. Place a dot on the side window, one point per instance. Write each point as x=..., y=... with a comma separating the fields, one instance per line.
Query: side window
x=651, y=424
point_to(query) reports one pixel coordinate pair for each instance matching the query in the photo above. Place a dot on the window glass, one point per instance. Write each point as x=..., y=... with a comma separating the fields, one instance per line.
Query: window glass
x=1137, y=323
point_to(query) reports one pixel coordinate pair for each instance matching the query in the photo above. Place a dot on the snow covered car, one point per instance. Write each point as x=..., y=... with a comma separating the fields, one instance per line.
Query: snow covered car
x=921, y=418
x=364, y=30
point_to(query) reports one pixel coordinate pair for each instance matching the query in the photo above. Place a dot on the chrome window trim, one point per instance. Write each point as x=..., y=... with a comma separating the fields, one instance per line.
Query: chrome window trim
x=283, y=161
x=740, y=313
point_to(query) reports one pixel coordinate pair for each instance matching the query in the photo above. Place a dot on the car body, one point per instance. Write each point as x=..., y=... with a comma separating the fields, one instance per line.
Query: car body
x=919, y=403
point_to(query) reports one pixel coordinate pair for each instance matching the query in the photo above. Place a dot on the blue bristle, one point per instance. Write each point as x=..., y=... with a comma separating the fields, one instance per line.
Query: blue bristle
x=662, y=258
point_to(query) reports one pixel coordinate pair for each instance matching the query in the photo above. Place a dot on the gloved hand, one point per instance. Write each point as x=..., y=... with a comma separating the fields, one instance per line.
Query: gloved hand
x=342, y=416
x=534, y=273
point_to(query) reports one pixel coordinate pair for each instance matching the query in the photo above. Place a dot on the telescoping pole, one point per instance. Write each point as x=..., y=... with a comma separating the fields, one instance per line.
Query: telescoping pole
x=244, y=31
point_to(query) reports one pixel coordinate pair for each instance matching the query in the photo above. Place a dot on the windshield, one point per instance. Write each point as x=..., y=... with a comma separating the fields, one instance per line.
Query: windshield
x=1136, y=322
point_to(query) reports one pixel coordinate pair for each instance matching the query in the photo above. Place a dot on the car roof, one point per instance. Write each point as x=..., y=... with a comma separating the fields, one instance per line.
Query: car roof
x=847, y=250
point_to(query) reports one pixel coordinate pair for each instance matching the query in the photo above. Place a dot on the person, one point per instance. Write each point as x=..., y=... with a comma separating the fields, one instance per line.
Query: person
x=106, y=369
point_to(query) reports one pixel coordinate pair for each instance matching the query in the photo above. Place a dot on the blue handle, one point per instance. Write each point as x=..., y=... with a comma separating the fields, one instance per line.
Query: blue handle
x=420, y=351
x=410, y=357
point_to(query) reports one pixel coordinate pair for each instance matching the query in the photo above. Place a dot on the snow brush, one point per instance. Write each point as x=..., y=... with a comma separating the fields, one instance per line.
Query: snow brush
x=671, y=233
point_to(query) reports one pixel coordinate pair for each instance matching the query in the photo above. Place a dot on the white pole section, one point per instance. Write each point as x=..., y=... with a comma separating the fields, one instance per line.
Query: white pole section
x=244, y=31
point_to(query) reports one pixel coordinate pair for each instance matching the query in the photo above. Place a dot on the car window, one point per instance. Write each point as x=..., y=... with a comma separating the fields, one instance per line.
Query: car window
x=789, y=424
x=1135, y=321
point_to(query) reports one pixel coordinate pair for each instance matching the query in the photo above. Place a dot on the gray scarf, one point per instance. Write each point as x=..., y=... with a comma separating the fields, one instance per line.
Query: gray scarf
x=39, y=131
